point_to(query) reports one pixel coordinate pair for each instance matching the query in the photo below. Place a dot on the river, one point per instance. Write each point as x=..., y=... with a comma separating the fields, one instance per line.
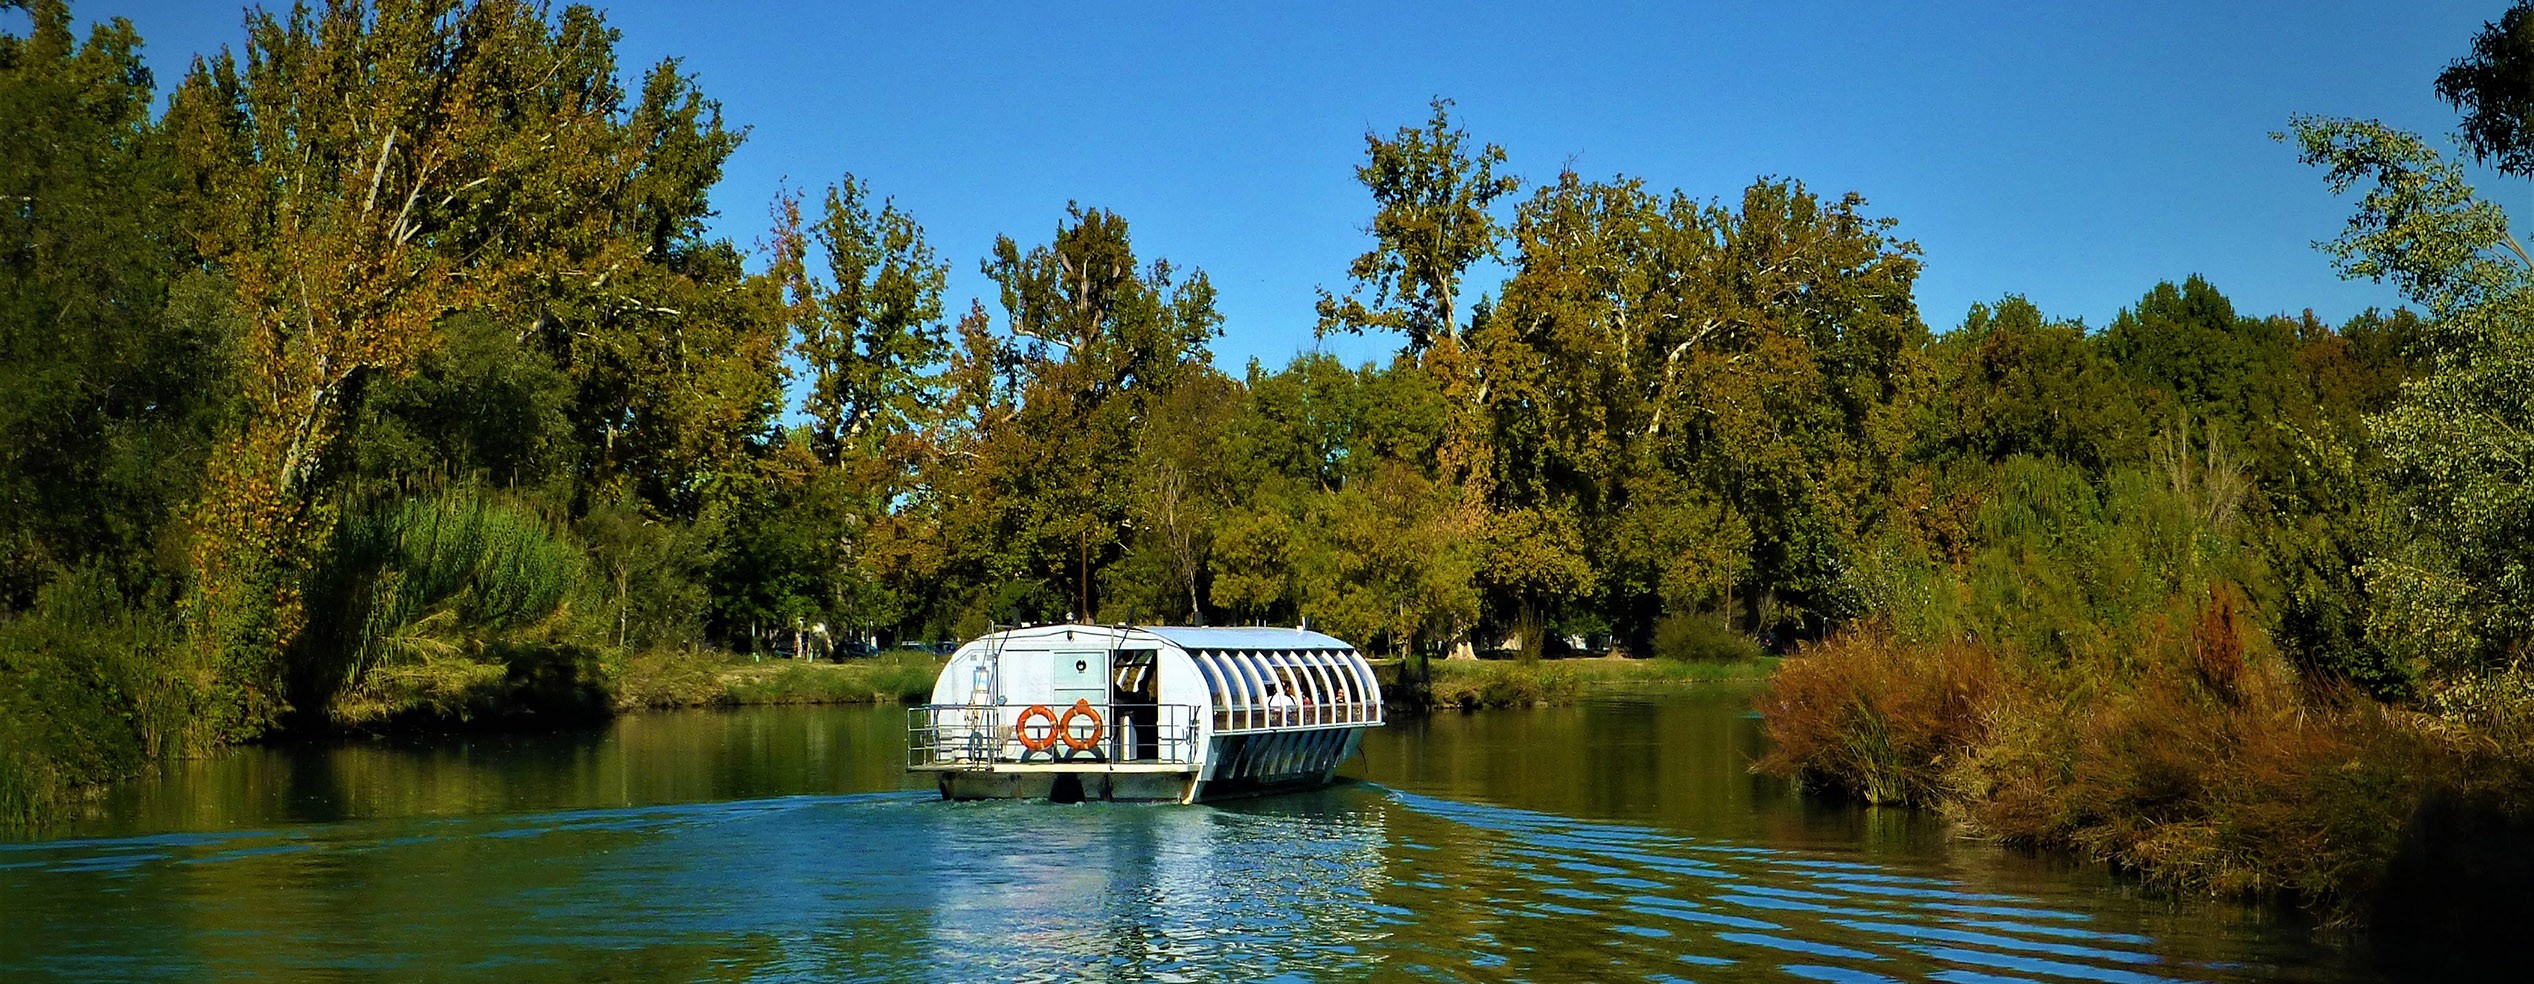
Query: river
x=1621, y=839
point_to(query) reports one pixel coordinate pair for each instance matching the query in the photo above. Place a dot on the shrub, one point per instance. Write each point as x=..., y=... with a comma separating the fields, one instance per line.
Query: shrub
x=1865, y=712
x=668, y=676
x=1702, y=638
x=88, y=694
x=1502, y=684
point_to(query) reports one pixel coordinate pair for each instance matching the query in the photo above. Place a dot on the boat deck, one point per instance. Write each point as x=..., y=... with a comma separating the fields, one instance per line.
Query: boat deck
x=1052, y=767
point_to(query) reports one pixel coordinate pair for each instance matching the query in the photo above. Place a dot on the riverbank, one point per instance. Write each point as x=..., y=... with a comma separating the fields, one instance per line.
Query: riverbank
x=2204, y=765
x=1470, y=685
x=704, y=678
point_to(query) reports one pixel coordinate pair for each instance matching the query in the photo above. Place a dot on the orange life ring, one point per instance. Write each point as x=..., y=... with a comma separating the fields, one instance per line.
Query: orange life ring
x=1064, y=727
x=1020, y=728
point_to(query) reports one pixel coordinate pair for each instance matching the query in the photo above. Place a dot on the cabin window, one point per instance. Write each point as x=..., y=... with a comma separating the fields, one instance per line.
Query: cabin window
x=1364, y=687
x=1318, y=708
x=1256, y=684
x=1215, y=686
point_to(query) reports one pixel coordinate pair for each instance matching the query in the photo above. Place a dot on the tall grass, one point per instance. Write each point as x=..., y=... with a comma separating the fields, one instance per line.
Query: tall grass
x=440, y=607
x=901, y=677
x=663, y=678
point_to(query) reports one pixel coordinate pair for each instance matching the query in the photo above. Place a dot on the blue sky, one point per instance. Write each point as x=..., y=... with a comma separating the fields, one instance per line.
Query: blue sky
x=2075, y=153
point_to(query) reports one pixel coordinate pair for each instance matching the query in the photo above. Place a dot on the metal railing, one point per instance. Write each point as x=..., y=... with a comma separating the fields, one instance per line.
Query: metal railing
x=975, y=736
x=1300, y=714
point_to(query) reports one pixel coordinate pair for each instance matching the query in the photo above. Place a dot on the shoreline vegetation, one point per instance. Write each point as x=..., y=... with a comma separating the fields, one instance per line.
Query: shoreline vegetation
x=390, y=377
x=702, y=678
x=1470, y=685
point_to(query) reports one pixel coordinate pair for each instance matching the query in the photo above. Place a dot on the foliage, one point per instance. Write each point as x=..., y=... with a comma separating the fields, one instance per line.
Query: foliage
x=1702, y=638
x=2493, y=88
x=2458, y=596
x=85, y=694
x=1431, y=222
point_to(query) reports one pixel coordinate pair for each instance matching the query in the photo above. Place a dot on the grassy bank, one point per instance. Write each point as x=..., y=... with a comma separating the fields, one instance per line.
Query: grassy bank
x=704, y=678
x=1474, y=684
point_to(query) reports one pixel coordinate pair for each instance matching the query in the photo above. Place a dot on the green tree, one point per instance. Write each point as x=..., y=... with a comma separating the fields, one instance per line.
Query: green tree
x=871, y=330
x=104, y=391
x=1430, y=222
x=2459, y=597
x=1038, y=497
x=2493, y=87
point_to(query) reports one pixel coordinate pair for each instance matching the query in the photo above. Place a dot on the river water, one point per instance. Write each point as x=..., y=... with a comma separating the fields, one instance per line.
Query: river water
x=1622, y=839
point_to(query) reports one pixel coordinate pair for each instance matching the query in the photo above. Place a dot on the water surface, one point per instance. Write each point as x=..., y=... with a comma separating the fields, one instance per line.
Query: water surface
x=1618, y=840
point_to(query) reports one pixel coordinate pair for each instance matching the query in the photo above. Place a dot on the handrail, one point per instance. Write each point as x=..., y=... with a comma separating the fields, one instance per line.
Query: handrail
x=1300, y=714
x=955, y=736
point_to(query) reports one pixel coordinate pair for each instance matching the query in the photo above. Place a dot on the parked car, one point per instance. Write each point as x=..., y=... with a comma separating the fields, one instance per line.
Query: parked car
x=851, y=649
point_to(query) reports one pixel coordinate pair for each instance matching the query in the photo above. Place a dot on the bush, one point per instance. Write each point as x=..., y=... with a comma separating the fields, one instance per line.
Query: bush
x=88, y=694
x=2200, y=765
x=1865, y=712
x=1502, y=684
x=1702, y=638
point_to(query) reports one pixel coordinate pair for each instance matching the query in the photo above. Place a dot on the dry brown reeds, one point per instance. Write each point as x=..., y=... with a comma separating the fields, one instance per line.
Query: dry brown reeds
x=1865, y=712
x=2200, y=764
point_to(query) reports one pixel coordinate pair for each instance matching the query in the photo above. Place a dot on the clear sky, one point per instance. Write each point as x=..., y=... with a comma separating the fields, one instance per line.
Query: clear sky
x=2075, y=153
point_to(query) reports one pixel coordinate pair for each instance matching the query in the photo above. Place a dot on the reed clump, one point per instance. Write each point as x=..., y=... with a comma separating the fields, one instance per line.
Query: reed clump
x=1471, y=686
x=2200, y=764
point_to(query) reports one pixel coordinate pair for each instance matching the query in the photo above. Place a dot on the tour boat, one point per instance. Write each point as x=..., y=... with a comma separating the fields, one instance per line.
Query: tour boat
x=1116, y=712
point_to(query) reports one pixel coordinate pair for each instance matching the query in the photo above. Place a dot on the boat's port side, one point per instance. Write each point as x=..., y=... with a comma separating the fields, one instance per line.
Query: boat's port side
x=1260, y=762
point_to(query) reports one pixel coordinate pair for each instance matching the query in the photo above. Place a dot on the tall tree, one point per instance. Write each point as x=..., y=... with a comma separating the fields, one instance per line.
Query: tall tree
x=2459, y=597
x=1046, y=487
x=870, y=330
x=2493, y=87
x=1430, y=222
x=103, y=390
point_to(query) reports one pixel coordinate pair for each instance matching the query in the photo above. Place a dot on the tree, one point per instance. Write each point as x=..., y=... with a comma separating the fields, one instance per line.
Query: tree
x=870, y=331
x=1039, y=497
x=2493, y=87
x=2459, y=596
x=1430, y=223
x=2014, y=382
x=1651, y=343
x=105, y=389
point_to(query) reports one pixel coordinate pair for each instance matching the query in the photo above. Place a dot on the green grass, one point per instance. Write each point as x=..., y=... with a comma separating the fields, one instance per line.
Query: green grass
x=704, y=678
x=1475, y=684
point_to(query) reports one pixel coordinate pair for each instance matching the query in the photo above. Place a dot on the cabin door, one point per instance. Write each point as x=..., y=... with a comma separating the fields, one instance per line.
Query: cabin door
x=1134, y=732
x=1081, y=674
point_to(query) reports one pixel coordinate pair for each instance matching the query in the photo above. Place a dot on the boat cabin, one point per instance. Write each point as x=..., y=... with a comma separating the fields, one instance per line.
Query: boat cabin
x=1071, y=712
